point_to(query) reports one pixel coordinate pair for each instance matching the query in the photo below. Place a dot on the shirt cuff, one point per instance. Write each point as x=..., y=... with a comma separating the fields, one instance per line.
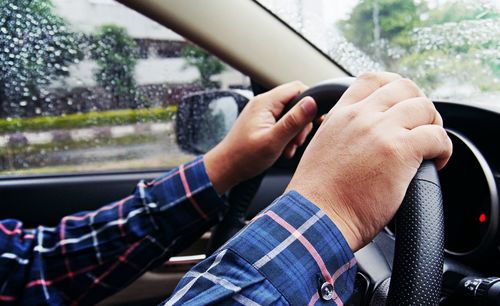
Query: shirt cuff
x=190, y=182
x=300, y=251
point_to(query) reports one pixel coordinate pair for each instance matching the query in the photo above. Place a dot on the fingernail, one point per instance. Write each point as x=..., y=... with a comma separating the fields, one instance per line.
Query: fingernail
x=292, y=152
x=309, y=106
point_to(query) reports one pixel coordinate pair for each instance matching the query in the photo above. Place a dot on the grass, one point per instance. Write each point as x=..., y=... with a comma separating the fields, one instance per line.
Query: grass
x=82, y=120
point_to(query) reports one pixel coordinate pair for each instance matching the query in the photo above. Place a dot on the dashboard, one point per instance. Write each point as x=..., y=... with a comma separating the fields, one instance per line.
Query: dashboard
x=469, y=185
x=470, y=200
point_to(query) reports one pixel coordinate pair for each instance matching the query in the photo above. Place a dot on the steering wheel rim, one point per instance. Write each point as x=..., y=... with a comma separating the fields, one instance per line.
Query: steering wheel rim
x=419, y=248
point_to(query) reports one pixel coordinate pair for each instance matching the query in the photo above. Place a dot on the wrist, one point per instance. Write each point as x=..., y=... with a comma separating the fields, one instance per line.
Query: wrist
x=344, y=223
x=346, y=227
x=220, y=169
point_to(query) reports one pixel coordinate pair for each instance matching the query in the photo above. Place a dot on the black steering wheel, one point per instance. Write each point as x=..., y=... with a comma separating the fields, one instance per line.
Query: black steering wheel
x=419, y=247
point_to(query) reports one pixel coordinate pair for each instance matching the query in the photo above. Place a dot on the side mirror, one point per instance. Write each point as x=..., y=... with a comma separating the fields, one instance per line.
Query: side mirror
x=204, y=118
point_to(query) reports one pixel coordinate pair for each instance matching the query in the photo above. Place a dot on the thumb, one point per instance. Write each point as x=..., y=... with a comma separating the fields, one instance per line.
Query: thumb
x=295, y=120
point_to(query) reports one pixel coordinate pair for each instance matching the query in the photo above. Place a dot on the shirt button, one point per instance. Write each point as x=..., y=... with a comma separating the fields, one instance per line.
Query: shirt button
x=326, y=291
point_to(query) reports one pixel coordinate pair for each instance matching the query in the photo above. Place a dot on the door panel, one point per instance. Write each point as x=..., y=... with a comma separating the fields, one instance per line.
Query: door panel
x=45, y=200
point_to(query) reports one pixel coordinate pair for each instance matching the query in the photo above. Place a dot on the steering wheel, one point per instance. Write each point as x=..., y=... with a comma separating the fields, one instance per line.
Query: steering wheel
x=419, y=247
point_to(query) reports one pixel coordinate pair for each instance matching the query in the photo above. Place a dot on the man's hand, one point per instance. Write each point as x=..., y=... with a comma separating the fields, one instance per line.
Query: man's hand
x=360, y=162
x=258, y=139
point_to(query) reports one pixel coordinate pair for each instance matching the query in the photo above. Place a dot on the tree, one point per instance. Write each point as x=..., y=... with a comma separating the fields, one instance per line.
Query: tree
x=36, y=47
x=380, y=26
x=455, y=43
x=457, y=11
x=206, y=64
x=116, y=54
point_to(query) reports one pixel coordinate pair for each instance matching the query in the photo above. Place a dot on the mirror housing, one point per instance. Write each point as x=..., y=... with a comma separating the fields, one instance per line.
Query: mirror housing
x=204, y=118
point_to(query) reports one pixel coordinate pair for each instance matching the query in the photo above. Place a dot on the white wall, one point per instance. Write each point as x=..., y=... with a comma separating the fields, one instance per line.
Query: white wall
x=89, y=15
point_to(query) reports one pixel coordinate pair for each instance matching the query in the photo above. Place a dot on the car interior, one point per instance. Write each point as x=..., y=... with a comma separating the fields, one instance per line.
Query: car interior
x=254, y=40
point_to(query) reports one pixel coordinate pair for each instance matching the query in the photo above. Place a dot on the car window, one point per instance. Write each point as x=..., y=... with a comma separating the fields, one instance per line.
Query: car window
x=91, y=85
x=450, y=48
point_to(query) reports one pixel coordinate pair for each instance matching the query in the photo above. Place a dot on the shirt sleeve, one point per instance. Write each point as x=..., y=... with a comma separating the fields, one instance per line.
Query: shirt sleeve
x=91, y=255
x=290, y=254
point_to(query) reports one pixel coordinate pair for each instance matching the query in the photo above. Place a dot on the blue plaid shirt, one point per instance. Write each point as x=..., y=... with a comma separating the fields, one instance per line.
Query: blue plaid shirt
x=290, y=254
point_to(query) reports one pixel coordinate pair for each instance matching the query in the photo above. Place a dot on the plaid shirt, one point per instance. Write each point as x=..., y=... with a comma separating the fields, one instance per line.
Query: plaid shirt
x=290, y=254
x=284, y=256
x=91, y=255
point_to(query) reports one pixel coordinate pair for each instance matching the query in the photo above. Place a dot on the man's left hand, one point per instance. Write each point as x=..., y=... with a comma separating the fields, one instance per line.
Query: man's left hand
x=258, y=138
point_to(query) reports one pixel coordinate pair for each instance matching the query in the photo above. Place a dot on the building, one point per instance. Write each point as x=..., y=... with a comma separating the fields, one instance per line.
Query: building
x=160, y=61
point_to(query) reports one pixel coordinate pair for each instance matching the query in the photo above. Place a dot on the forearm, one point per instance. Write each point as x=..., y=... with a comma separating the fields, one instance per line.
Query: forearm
x=284, y=256
x=91, y=255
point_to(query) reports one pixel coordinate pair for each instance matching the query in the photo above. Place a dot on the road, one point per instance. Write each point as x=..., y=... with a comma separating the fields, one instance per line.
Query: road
x=157, y=154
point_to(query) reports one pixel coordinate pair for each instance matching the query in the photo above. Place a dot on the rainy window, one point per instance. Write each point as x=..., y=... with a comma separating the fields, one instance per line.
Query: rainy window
x=90, y=85
x=450, y=48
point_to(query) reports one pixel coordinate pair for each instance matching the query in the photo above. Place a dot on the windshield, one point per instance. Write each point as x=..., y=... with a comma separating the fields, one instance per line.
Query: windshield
x=450, y=48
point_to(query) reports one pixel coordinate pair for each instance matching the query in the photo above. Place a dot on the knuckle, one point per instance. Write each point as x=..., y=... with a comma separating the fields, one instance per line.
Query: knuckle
x=427, y=103
x=365, y=126
x=254, y=140
x=378, y=77
x=428, y=106
x=439, y=119
x=392, y=144
x=443, y=136
x=350, y=113
x=387, y=145
x=394, y=75
x=440, y=139
x=410, y=86
x=370, y=77
x=291, y=122
x=382, y=96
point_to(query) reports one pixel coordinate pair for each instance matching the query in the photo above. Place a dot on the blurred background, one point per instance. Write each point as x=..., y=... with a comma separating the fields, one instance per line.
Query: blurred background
x=90, y=85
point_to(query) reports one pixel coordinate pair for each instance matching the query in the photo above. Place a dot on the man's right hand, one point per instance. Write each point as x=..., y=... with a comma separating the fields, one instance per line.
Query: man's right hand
x=360, y=162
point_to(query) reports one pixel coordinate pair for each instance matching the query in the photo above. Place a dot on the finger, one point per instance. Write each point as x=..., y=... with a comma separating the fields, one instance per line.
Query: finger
x=302, y=136
x=290, y=150
x=293, y=122
x=432, y=142
x=439, y=119
x=321, y=119
x=280, y=96
x=392, y=93
x=414, y=112
x=365, y=85
x=291, y=147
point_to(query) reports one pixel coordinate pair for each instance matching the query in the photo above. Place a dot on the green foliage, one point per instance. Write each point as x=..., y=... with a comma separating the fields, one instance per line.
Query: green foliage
x=206, y=64
x=81, y=120
x=457, y=11
x=448, y=43
x=396, y=19
x=116, y=54
x=36, y=47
